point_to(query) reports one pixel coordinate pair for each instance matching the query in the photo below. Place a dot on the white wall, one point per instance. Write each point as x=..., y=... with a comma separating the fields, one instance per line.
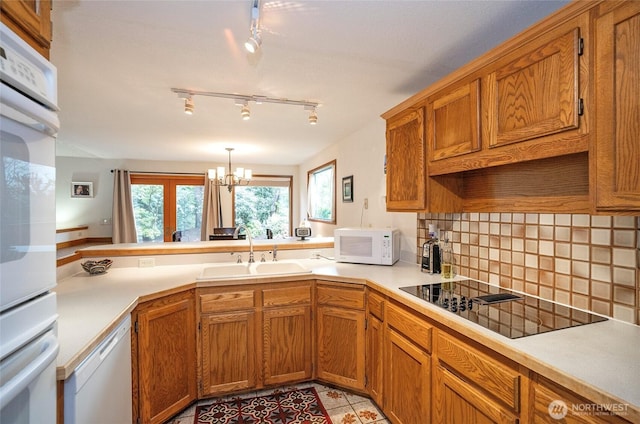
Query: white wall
x=361, y=155
x=71, y=212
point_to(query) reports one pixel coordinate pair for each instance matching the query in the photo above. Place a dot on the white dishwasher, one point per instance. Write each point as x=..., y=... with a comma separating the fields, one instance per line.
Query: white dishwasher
x=99, y=390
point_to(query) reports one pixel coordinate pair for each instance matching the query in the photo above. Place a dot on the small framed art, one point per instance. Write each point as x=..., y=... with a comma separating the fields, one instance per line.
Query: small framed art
x=347, y=189
x=81, y=189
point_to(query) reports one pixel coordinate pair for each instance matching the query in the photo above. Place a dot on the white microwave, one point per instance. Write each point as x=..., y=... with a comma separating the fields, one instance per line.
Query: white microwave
x=376, y=246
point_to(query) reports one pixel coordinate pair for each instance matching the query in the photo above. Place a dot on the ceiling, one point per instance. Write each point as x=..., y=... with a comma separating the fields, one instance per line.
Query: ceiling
x=118, y=60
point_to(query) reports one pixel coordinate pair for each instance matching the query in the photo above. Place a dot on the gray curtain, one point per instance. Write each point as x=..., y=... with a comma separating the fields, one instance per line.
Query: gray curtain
x=211, y=209
x=124, y=226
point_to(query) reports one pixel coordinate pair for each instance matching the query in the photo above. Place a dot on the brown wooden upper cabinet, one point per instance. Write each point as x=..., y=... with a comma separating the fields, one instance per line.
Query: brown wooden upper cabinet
x=536, y=93
x=31, y=20
x=453, y=121
x=406, y=164
x=615, y=149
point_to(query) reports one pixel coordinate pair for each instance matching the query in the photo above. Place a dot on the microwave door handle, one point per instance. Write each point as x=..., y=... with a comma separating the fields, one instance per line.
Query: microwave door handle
x=21, y=380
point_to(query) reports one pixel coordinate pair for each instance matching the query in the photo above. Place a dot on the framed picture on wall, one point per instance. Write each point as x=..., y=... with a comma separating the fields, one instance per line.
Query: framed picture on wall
x=81, y=189
x=347, y=189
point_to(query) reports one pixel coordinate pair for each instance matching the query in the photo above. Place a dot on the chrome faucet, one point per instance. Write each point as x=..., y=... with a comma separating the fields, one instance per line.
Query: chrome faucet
x=275, y=253
x=235, y=237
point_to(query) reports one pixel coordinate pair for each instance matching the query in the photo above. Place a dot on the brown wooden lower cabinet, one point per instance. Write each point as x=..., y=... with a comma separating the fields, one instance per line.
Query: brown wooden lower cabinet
x=228, y=352
x=457, y=402
x=287, y=344
x=251, y=336
x=553, y=404
x=164, y=357
x=374, y=359
x=340, y=327
x=407, y=390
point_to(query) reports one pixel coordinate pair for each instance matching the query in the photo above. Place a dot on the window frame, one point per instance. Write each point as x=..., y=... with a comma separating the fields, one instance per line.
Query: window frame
x=169, y=183
x=265, y=178
x=331, y=164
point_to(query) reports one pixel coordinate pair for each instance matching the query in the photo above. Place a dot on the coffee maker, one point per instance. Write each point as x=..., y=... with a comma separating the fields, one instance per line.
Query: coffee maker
x=431, y=256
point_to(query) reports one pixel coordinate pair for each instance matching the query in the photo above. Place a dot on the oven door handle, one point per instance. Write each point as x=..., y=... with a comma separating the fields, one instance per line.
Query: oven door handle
x=28, y=112
x=12, y=388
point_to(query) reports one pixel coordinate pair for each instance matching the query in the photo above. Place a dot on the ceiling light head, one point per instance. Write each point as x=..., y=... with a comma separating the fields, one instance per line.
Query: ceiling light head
x=245, y=112
x=313, y=117
x=188, y=106
x=254, y=42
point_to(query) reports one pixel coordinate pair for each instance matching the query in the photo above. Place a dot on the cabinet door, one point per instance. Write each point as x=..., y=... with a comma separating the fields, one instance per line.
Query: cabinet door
x=455, y=402
x=287, y=344
x=536, y=93
x=453, y=122
x=228, y=352
x=166, y=352
x=407, y=389
x=31, y=20
x=374, y=356
x=406, y=167
x=616, y=146
x=553, y=405
x=341, y=346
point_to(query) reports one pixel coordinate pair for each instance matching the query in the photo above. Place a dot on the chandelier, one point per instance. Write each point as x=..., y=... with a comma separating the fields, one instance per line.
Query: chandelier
x=220, y=178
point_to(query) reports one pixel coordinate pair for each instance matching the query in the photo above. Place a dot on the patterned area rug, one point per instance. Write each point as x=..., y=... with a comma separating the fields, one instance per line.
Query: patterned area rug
x=300, y=406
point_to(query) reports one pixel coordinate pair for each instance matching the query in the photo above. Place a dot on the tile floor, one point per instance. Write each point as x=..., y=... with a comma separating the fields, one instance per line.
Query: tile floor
x=342, y=406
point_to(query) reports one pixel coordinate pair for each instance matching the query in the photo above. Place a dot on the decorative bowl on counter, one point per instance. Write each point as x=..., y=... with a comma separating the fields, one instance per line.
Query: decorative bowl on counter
x=97, y=267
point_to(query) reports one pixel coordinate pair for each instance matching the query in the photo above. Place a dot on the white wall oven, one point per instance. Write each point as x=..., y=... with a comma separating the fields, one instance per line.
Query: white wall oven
x=28, y=124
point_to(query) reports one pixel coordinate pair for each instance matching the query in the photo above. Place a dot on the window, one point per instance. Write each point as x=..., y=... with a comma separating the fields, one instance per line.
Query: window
x=321, y=190
x=264, y=204
x=163, y=204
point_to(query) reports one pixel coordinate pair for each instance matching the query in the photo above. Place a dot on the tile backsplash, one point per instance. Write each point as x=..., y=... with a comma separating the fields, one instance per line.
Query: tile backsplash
x=589, y=262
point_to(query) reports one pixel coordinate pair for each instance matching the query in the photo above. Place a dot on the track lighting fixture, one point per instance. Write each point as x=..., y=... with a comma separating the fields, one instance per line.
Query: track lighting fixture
x=245, y=112
x=188, y=106
x=243, y=100
x=313, y=116
x=254, y=41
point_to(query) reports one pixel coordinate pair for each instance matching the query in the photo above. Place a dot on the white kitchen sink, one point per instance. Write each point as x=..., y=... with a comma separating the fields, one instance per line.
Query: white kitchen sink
x=225, y=271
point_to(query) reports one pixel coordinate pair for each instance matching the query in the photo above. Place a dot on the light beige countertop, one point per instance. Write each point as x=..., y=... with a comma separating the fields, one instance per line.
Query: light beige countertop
x=601, y=361
x=199, y=247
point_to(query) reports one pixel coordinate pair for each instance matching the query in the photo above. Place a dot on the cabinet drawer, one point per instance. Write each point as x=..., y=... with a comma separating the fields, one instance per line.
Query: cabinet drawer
x=376, y=305
x=340, y=296
x=487, y=373
x=283, y=296
x=227, y=301
x=412, y=327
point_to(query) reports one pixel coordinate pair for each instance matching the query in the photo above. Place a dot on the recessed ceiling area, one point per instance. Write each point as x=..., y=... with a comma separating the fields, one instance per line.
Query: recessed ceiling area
x=118, y=60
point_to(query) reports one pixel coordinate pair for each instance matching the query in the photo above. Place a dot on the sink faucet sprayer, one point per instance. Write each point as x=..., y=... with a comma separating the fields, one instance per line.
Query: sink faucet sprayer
x=235, y=237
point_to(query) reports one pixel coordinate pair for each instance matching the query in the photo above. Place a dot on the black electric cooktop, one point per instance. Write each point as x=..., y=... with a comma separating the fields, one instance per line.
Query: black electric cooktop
x=511, y=314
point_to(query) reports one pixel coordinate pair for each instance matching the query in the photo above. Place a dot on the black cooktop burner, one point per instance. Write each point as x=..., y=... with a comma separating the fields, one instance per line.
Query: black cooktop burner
x=511, y=314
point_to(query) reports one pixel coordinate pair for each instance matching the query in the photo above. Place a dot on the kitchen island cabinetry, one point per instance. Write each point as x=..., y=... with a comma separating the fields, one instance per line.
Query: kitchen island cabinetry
x=164, y=357
x=616, y=145
x=474, y=386
x=31, y=20
x=341, y=334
